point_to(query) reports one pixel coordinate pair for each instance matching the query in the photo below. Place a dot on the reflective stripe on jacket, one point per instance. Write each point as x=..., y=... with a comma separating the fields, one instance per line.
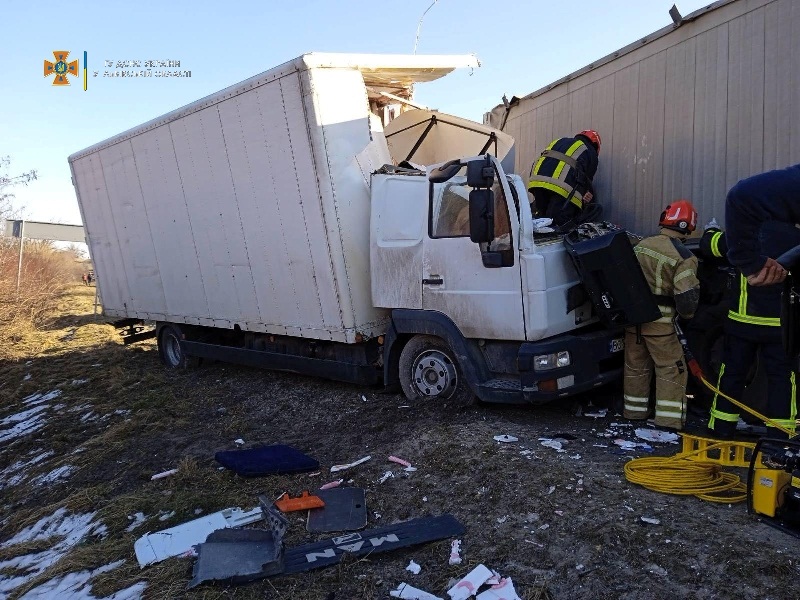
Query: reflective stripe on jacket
x=566, y=164
x=669, y=268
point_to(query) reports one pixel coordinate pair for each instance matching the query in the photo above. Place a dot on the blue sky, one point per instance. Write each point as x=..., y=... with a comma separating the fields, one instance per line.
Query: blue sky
x=522, y=45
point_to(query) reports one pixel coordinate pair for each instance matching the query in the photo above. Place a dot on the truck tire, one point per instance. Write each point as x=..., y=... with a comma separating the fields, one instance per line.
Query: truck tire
x=429, y=370
x=169, y=348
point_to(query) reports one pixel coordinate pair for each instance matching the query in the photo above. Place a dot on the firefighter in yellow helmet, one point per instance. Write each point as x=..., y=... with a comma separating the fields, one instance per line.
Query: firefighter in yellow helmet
x=671, y=272
x=561, y=180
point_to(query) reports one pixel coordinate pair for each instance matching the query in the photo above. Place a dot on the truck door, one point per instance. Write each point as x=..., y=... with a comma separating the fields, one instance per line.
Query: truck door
x=477, y=285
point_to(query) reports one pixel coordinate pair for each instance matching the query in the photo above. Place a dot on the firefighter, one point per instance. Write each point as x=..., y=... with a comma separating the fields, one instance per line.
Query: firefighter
x=771, y=196
x=671, y=272
x=752, y=333
x=561, y=180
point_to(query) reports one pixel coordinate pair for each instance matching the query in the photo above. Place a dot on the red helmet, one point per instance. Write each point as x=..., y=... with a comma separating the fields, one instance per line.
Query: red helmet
x=593, y=136
x=680, y=216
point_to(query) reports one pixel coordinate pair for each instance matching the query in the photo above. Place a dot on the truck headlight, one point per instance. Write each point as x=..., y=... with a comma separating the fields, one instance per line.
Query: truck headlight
x=547, y=362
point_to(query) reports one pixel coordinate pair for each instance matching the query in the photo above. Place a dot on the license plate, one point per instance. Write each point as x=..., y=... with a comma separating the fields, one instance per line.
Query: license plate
x=616, y=345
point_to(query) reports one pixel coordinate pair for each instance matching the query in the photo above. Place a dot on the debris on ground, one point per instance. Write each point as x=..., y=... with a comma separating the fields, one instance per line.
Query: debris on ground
x=304, y=501
x=656, y=435
x=345, y=509
x=455, y=553
x=331, y=484
x=408, y=592
x=651, y=520
x=343, y=467
x=163, y=474
x=505, y=438
x=266, y=460
x=404, y=463
x=414, y=568
x=468, y=586
x=385, y=476
x=176, y=541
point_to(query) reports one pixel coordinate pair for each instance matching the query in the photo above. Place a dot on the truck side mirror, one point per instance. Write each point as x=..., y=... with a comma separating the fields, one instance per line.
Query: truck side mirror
x=444, y=172
x=481, y=216
x=480, y=173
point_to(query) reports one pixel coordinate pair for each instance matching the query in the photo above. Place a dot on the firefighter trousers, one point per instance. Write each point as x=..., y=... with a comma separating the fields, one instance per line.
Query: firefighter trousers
x=655, y=349
x=738, y=356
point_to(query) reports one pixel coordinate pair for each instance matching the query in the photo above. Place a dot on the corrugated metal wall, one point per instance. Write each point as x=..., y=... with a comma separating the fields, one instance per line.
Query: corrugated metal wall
x=685, y=115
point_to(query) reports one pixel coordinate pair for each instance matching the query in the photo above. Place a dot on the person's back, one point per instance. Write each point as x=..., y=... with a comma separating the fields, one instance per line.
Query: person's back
x=561, y=180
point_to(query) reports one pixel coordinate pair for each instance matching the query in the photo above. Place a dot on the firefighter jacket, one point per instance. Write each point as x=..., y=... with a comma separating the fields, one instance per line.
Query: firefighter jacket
x=566, y=167
x=771, y=196
x=671, y=272
x=753, y=311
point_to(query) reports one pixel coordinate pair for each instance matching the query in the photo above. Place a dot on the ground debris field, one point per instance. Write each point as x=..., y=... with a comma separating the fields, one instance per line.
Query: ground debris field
x=85, y=423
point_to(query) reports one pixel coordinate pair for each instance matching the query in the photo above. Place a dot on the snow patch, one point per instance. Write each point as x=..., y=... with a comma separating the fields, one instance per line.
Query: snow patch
x=78, y=587
x=135, y=520
x=39, y=398
x=17, y=472
x=54, y=475
x=70, y=529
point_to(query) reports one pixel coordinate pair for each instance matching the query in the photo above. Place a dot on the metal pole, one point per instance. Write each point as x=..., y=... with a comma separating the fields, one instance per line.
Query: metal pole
x=19, y=266
x=419, y=25
x=95, y=296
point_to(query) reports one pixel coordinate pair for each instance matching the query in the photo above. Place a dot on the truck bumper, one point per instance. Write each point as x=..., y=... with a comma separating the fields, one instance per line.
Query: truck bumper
x=596, y=359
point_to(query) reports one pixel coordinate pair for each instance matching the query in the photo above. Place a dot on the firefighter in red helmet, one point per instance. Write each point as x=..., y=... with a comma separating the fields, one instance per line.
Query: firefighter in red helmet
x=671, y=272
x=561, y=180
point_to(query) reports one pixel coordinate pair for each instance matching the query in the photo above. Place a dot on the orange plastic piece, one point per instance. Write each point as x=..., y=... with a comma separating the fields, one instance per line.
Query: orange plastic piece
x=303, y=502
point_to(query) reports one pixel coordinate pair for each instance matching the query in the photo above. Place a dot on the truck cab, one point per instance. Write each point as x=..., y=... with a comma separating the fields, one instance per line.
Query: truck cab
x=454, y=256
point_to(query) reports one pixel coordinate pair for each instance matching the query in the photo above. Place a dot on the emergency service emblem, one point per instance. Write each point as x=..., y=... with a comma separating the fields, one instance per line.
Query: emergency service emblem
x=61, y=68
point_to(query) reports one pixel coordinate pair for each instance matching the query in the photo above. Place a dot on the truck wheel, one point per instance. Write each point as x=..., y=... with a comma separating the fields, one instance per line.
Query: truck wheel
x=169, y=348
x=428, y=369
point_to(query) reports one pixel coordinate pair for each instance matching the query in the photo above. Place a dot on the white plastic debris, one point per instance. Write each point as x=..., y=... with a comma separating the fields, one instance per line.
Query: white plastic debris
x=469, y=585
x=656, y=435
x=239, y=442
x=414, y=568
x=336, y=468
x=364, y=398
x=628, y=445
x=503, y=590
x=549, y=443
x=409, y=592
x=175, y=541
x=502, y=519
x=385, y=476
x=455, y=553
x=551, y=489
x=163, y=474
x=542, y=225
x=651, y=520
x=27, y=377
x=505, y=438
x=598, y=414
x=166, y=515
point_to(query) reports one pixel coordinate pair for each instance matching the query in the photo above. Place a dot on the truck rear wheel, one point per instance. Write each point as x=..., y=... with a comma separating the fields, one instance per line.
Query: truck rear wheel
x=429, y=370
x=169, y=348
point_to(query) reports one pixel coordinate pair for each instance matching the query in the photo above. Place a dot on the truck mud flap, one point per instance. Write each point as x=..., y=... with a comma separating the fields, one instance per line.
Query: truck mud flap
x=372, y=541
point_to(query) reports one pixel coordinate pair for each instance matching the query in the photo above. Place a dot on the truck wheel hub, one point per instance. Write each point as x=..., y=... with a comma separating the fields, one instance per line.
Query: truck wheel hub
x=434, y=374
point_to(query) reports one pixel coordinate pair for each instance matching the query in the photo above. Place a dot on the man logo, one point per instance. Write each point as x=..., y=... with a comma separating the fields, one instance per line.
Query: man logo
x=61, y=68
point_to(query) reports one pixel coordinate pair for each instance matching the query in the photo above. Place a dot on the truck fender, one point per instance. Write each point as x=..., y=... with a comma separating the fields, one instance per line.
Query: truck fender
x=408, y=322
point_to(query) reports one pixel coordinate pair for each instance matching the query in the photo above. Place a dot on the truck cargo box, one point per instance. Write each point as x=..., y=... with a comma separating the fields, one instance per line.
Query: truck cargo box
x=249, y=209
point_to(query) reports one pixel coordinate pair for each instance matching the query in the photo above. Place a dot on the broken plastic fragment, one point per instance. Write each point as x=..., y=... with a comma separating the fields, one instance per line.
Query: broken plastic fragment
x=503, y=590
x=336, y=468
x=656, y=435
x=332, y=484
x=239, y=442
x=385, y=476
x=505, y=438
x=409, y=592
x=414, y=568
x=598, y=414
x=455, y=553
x=405, y=463
x=651, y=520
x=548, y=443
x=469, y=585
x=163, y=474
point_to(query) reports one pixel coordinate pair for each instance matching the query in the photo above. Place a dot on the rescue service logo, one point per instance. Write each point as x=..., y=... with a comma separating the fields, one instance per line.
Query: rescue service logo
x=61, y=68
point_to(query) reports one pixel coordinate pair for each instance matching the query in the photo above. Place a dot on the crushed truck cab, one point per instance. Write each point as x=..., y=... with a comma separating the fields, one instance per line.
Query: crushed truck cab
x=500, y=304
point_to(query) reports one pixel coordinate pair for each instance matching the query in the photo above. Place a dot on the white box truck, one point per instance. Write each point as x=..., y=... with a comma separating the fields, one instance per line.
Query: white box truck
x=314, y=219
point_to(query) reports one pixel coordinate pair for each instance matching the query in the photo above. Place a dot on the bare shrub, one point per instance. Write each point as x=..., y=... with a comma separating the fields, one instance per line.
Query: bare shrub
x=47, y=273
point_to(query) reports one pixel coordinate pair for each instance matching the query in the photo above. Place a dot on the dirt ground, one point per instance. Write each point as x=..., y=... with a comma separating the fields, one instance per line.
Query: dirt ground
x=561, y=524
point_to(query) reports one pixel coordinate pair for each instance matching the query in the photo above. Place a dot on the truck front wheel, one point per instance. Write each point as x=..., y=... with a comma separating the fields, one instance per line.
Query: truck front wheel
x=169, y=348
x=429, y=370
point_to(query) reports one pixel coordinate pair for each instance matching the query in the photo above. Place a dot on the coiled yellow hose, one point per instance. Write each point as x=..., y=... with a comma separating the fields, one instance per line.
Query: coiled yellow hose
x=680, y=476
